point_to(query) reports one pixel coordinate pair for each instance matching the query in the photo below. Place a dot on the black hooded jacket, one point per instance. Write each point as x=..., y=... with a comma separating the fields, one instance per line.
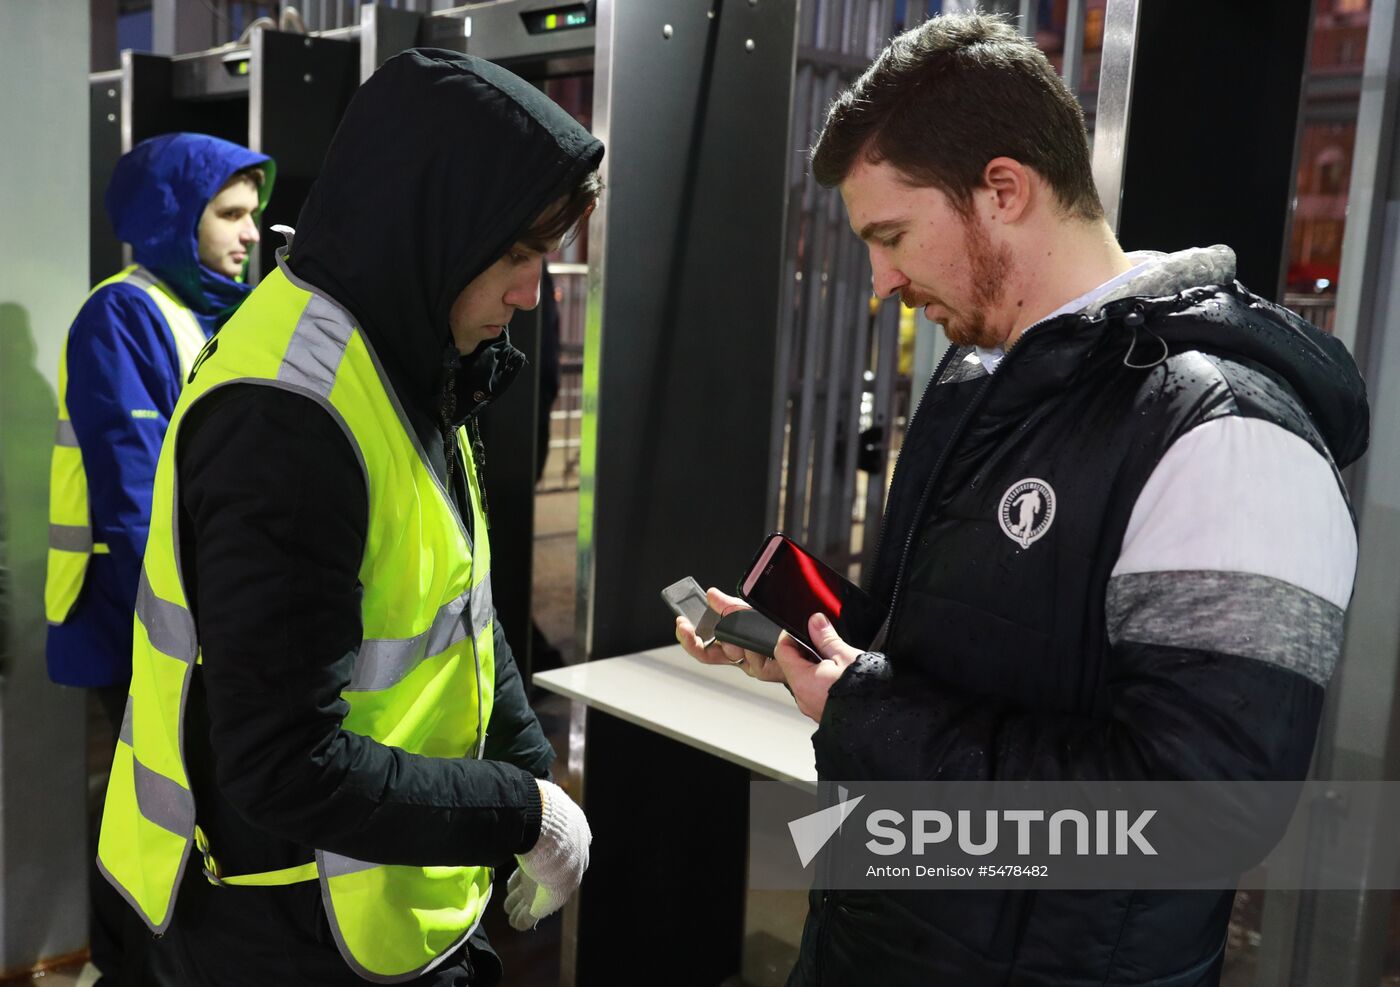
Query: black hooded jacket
x=1140, y=616
x=441, y=162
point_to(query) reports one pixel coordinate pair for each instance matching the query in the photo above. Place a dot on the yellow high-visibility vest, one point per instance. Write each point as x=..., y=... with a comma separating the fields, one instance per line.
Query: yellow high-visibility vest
x=423, y=679
x=70, y=523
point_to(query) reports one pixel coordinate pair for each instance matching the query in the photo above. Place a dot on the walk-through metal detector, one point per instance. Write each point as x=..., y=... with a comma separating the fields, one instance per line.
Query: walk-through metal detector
x=693, y=101
x=282, y=94
x=278, y=92
x=685, y=275
x=539, y=42
x=685, y=256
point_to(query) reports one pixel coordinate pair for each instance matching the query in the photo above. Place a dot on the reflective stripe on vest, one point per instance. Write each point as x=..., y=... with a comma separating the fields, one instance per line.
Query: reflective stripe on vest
x=423, y=680
x=70, y=527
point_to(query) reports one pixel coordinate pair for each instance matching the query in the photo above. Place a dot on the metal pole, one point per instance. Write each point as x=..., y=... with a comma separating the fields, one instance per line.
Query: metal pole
x=1341, y=937
x=1072, y=70
x=1370, y=173
x=827, y=528
x=1120, y=35
x=858, y=316
x=805, y=113
x=886, y=370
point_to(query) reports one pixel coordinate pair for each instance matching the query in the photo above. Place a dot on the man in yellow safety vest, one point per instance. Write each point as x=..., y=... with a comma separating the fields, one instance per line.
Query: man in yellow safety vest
x=188, y=204
x=327, y=748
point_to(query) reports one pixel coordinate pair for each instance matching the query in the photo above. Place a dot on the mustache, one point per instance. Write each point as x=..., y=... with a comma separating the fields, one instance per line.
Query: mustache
x=912, y=299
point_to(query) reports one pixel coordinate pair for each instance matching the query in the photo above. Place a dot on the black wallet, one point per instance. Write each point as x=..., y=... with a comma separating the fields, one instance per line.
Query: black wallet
x=746, y=628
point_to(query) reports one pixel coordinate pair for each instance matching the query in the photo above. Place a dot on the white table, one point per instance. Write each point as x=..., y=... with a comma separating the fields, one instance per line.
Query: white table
x=712, y=708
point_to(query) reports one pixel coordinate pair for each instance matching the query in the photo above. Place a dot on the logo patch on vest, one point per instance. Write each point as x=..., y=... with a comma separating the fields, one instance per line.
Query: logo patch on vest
x=1026, y=511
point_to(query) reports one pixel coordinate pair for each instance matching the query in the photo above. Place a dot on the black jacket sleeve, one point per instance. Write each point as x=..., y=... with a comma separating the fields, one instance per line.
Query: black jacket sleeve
x=515, y=735
x=1174, y=714
x=274, y=515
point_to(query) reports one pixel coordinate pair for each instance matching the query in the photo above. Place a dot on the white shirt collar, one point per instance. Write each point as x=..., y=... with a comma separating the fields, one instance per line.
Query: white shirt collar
x=991, y=358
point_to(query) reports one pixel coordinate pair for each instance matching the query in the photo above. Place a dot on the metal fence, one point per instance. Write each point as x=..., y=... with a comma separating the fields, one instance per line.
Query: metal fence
x=836, y=354
x=571, y=295
x=1320, y=310
x=326, y=15
x=837, y=357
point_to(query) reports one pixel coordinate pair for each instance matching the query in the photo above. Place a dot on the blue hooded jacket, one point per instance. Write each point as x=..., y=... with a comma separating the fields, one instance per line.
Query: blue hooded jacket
x=124, y=380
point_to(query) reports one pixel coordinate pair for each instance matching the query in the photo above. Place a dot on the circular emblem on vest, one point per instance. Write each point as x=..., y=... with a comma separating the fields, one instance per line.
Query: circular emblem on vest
x=1026, y=510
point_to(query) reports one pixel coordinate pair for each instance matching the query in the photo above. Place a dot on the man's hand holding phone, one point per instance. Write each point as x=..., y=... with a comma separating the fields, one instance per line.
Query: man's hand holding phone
x=798, y=593
x=808, y=681
x=755, y=665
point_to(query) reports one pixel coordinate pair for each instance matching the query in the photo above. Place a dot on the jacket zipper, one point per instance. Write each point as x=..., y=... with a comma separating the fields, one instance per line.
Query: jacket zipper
x=479, y=457
x=929, y=485
x=972, y=407
x=825, y=920
x=827, y=905
x=479, y=447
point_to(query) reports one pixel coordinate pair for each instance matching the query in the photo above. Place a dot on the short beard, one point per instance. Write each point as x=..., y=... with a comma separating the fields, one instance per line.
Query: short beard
x=989, y=269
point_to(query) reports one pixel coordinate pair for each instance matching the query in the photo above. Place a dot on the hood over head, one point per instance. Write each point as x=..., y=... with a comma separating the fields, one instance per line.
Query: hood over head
x=155, y=200
x=1191, y=300
x=441, y=162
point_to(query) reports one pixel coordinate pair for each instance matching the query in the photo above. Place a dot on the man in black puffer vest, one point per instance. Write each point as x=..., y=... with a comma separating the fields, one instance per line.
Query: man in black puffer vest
x=1116, y=546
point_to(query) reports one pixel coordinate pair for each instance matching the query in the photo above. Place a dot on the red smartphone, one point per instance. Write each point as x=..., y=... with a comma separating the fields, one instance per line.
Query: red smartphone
x=787, y=584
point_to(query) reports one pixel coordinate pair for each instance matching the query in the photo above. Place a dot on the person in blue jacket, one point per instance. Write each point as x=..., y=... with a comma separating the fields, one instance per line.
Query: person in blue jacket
x=188, y=204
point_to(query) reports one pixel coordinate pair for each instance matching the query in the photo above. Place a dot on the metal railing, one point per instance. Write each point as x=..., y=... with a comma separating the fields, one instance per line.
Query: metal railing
x=565, y=417
x=845, y=402
x=327, y=15
x=1320, y=310
x=836, y=357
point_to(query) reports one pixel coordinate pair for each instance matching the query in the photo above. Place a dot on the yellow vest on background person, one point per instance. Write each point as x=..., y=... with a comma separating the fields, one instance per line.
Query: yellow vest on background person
x=70, y=524
x=423, y=678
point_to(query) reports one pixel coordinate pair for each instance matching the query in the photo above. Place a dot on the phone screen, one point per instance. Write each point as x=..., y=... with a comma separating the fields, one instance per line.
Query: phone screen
x=787, y=584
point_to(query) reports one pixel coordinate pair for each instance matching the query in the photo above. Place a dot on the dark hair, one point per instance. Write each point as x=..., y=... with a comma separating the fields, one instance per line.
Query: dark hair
x=564, y=222
x=254, y=175
x=948, y=96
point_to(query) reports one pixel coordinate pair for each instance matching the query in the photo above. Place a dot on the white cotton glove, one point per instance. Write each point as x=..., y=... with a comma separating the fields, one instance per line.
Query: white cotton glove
x=550, y=873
